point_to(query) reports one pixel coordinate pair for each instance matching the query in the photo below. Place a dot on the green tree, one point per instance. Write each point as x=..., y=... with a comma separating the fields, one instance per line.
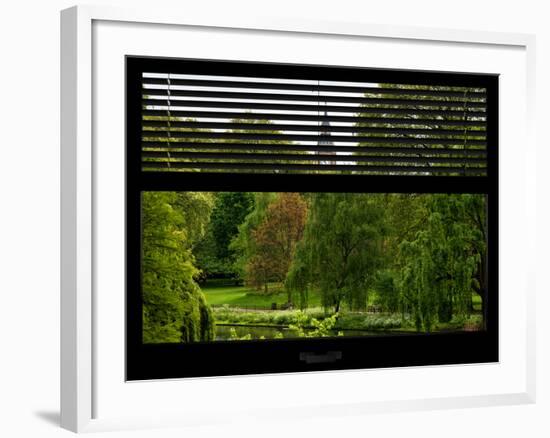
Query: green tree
x=299, y=278
x=263, y=127
x=387, y=290
x=174, y=308
x=476, y=215
x=275, y=240
x=342, y=248
x=229, y=212
x=213, y=252
x=424, y=223
x=428, y=124
x=440, y=264
x=165, y=149
x=405, y=215
x=243, y=243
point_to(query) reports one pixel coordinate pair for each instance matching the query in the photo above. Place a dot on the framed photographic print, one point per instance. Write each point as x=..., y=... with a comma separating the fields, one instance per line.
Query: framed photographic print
x=257, y=232
x=323, y=215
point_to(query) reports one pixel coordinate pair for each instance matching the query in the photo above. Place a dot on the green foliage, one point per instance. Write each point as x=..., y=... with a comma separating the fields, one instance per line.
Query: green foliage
x=213, y=253
x=387, y=290
x=418, y=259
x=306, y=326
x=234, y=337
x=299, y=323
x=440, y=264
x=341, y=249
x=275, y=240
x=174, y=309
x=298, y=280
x=418, y=122
x=243, y=244
x=311, y=320
x=369, y=322
x=168, y=144
x=271, y=317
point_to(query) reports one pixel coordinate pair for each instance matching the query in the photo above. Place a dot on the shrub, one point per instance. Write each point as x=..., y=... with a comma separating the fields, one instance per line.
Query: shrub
x=368, y=322
x=321, y=328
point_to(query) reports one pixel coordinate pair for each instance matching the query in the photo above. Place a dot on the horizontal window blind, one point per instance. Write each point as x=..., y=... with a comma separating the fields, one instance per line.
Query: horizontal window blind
x=209, y=123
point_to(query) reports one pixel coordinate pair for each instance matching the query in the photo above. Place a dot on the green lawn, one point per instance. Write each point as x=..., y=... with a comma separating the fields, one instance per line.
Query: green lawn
x=223, y=292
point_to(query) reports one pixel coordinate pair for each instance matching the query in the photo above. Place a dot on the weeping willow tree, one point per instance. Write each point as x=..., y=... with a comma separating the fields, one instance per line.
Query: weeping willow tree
x=174, y=308
x=341, y=249
x=441, y=264
x=299, y=277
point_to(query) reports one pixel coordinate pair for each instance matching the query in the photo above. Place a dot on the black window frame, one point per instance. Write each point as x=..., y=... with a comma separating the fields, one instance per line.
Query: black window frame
x=156, y=361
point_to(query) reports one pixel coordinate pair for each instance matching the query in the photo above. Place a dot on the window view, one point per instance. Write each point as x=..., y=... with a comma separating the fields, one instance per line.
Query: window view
x=227, y=124
x=297, y=217
x=239, y=266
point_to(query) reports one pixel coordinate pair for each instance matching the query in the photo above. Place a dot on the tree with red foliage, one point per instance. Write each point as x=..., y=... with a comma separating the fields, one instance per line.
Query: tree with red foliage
x=275, y=240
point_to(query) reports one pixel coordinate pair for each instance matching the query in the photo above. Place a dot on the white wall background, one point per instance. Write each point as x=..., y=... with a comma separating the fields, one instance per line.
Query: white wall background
x=29, y=217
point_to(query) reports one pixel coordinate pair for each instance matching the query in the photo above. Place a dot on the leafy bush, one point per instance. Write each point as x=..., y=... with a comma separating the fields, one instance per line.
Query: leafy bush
x=304, y=323
x=234, y=337
x=282, y=317
x=471, y=322
x=368, y=322
x=310, y=321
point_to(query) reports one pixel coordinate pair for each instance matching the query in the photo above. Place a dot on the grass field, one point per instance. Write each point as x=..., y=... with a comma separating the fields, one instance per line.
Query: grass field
x=221, y=292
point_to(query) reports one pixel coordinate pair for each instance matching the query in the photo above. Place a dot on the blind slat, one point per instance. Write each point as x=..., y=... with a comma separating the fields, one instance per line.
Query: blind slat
x=312, y=87
x=320, y=138
x=358, y=118
x=163, y=125
x=310, y=167
x=313, y=98
x=318, y=157
x=410, y=111
x=313, y=148
x=225, y=123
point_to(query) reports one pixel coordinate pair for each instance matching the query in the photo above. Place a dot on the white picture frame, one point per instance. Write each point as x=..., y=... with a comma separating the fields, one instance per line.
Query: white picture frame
x=83, y=369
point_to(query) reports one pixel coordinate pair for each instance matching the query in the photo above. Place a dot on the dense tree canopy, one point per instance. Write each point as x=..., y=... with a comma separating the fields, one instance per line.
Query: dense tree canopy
x=440, y=263
x=213, y=252
x=174, y=308
x=275, y=239
x=243, y=244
